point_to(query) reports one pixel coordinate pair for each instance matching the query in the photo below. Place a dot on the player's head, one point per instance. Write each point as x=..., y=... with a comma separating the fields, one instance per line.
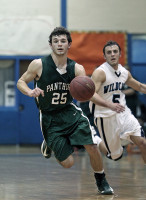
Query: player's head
x=60, y=31
x=112, y=53
x=111, y=43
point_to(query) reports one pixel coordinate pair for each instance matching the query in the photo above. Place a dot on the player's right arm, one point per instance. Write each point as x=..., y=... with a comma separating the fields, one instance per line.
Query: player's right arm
x=99, y=77
x=33, y=72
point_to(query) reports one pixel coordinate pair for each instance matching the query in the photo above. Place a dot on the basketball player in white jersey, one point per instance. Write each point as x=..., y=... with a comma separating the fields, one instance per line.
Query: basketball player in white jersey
x=115, y=127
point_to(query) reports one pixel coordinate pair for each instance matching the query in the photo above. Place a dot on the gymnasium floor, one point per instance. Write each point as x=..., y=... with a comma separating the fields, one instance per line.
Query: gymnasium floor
x=26, y=175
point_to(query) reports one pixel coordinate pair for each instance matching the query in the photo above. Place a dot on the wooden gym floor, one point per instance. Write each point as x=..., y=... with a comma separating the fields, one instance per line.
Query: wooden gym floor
x=26, y=175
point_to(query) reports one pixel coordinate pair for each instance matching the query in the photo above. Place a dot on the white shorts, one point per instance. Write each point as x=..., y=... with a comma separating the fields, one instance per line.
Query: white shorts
x=116, y=128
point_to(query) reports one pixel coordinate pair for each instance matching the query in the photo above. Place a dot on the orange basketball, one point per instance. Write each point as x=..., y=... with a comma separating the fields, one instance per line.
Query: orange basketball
x=82, y=88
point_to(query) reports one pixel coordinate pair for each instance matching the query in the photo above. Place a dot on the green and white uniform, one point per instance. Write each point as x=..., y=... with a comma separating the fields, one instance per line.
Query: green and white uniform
x=63, y=124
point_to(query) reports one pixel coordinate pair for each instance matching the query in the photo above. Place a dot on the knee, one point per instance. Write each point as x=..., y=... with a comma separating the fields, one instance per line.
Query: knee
x=68, y=163
x=91, y=148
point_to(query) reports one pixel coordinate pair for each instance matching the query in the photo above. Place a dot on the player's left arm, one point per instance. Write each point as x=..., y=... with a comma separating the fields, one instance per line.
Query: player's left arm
x=79, y=70
x=136, y=85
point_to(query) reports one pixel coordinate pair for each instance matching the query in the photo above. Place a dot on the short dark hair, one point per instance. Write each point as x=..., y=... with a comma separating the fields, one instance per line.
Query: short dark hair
x=111, y=43
x=60, y=31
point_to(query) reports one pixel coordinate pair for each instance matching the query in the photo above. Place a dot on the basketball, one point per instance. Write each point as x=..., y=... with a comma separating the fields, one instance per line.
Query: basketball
x=82, y=88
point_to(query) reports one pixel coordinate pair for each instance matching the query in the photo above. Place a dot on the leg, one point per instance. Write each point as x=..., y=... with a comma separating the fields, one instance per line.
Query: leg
x=102, y=148
x=141, y=143
x=95, y=157
x=97, y=165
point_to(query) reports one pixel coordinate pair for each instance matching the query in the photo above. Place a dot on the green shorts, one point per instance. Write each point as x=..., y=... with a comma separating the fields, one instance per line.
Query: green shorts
x=64, y=129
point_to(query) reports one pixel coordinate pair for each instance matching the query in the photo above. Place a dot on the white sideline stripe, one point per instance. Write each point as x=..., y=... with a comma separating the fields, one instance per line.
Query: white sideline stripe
x=93, y=132
x=41, y=123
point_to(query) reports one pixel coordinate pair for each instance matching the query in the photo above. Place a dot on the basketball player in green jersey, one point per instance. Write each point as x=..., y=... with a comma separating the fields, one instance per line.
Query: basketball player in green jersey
x=63, y=124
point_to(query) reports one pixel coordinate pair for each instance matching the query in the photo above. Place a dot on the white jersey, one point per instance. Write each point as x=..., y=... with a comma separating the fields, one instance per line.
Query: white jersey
x=111, y=89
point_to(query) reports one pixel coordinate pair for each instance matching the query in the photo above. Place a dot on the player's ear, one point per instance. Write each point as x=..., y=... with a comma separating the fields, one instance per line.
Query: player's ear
x=50, y=45
x=104, y=56
x=69, y=45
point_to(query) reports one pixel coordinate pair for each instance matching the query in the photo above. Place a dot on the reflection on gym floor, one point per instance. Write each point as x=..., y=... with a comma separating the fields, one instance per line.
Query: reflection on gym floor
x=27, y=175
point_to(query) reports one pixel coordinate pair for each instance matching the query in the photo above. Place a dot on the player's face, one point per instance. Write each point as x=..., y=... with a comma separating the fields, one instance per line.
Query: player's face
x=112, y=55
x=60, y=44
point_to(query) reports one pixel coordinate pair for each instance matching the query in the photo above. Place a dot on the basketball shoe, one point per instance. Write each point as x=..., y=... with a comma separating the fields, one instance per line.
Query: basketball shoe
x=46, y=151
x=102, y=184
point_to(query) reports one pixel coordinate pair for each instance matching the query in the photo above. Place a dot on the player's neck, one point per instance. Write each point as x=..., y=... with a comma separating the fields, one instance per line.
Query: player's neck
x=60, y=61
x=115, y=67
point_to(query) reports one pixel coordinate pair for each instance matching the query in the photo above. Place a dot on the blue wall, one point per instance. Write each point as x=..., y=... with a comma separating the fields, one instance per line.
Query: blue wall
x=20, y=124
x=137, y=60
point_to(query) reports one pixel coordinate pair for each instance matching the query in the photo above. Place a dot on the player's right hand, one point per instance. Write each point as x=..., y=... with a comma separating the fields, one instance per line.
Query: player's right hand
x=36, y=92
x=116, y=107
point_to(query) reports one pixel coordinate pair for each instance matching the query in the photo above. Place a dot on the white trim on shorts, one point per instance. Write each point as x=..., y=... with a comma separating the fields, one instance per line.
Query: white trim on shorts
x=92, y=129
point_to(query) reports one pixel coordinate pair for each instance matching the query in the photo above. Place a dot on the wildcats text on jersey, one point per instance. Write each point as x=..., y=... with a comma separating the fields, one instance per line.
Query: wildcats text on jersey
x=58, y=86
x=113, y=87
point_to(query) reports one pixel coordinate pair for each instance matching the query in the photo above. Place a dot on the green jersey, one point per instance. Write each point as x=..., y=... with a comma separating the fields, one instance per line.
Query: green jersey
x=55, y=85
x=63, y=124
